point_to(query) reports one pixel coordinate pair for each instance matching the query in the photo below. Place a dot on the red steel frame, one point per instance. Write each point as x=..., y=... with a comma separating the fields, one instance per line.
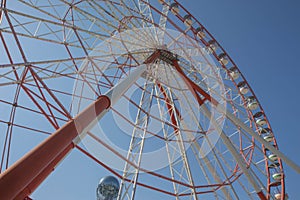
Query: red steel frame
x=48, y=154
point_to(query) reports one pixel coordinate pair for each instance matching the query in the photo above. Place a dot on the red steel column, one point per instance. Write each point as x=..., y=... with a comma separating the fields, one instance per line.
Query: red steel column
x=22, y=178
x=31, y=187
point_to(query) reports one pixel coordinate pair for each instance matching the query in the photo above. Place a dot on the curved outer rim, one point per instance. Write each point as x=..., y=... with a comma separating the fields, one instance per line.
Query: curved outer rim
x=3, y=5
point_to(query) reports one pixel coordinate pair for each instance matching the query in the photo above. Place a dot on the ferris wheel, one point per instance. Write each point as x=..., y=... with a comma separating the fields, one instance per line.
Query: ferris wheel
x=142, y=89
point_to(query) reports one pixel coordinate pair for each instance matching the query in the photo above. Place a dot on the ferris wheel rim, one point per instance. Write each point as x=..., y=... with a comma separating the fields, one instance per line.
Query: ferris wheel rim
x=251, y=115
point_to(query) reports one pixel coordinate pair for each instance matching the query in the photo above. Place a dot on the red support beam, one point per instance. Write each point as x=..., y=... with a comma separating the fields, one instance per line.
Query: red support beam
x=19, y=180
x=44, y=174
x=194, y=88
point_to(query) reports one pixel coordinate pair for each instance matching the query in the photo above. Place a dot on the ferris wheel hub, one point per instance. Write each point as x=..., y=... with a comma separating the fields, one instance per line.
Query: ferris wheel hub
x=167, y=56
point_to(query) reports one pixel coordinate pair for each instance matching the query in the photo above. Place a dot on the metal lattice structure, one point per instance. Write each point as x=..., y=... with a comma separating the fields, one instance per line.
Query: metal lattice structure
x=66, y=65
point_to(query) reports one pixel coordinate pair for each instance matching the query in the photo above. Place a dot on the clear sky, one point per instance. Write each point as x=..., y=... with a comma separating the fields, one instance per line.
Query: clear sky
x=262, y=37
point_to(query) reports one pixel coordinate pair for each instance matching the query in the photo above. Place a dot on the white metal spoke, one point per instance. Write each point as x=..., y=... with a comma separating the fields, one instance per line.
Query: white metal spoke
x=146, y=12
x=137, y=144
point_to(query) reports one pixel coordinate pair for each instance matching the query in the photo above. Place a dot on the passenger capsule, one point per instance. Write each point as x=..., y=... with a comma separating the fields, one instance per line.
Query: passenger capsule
x=258, y=114
x=174, y=8
x=223, y=59
x=244, y=90
x=188, y=20
x=273, y=157
x=275, y=183
x=264, y=130
x=279, y=196
x=234, y=73
x=252, y=103
x=274, y=165
x=200, y=33
x=243, y=87
x=212, y=46
x=261, y=122
x=268, y=138
x=277, y=176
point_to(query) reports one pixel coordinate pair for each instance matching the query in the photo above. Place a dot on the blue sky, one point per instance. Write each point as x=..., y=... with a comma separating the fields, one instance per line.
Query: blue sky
x=262, y=37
